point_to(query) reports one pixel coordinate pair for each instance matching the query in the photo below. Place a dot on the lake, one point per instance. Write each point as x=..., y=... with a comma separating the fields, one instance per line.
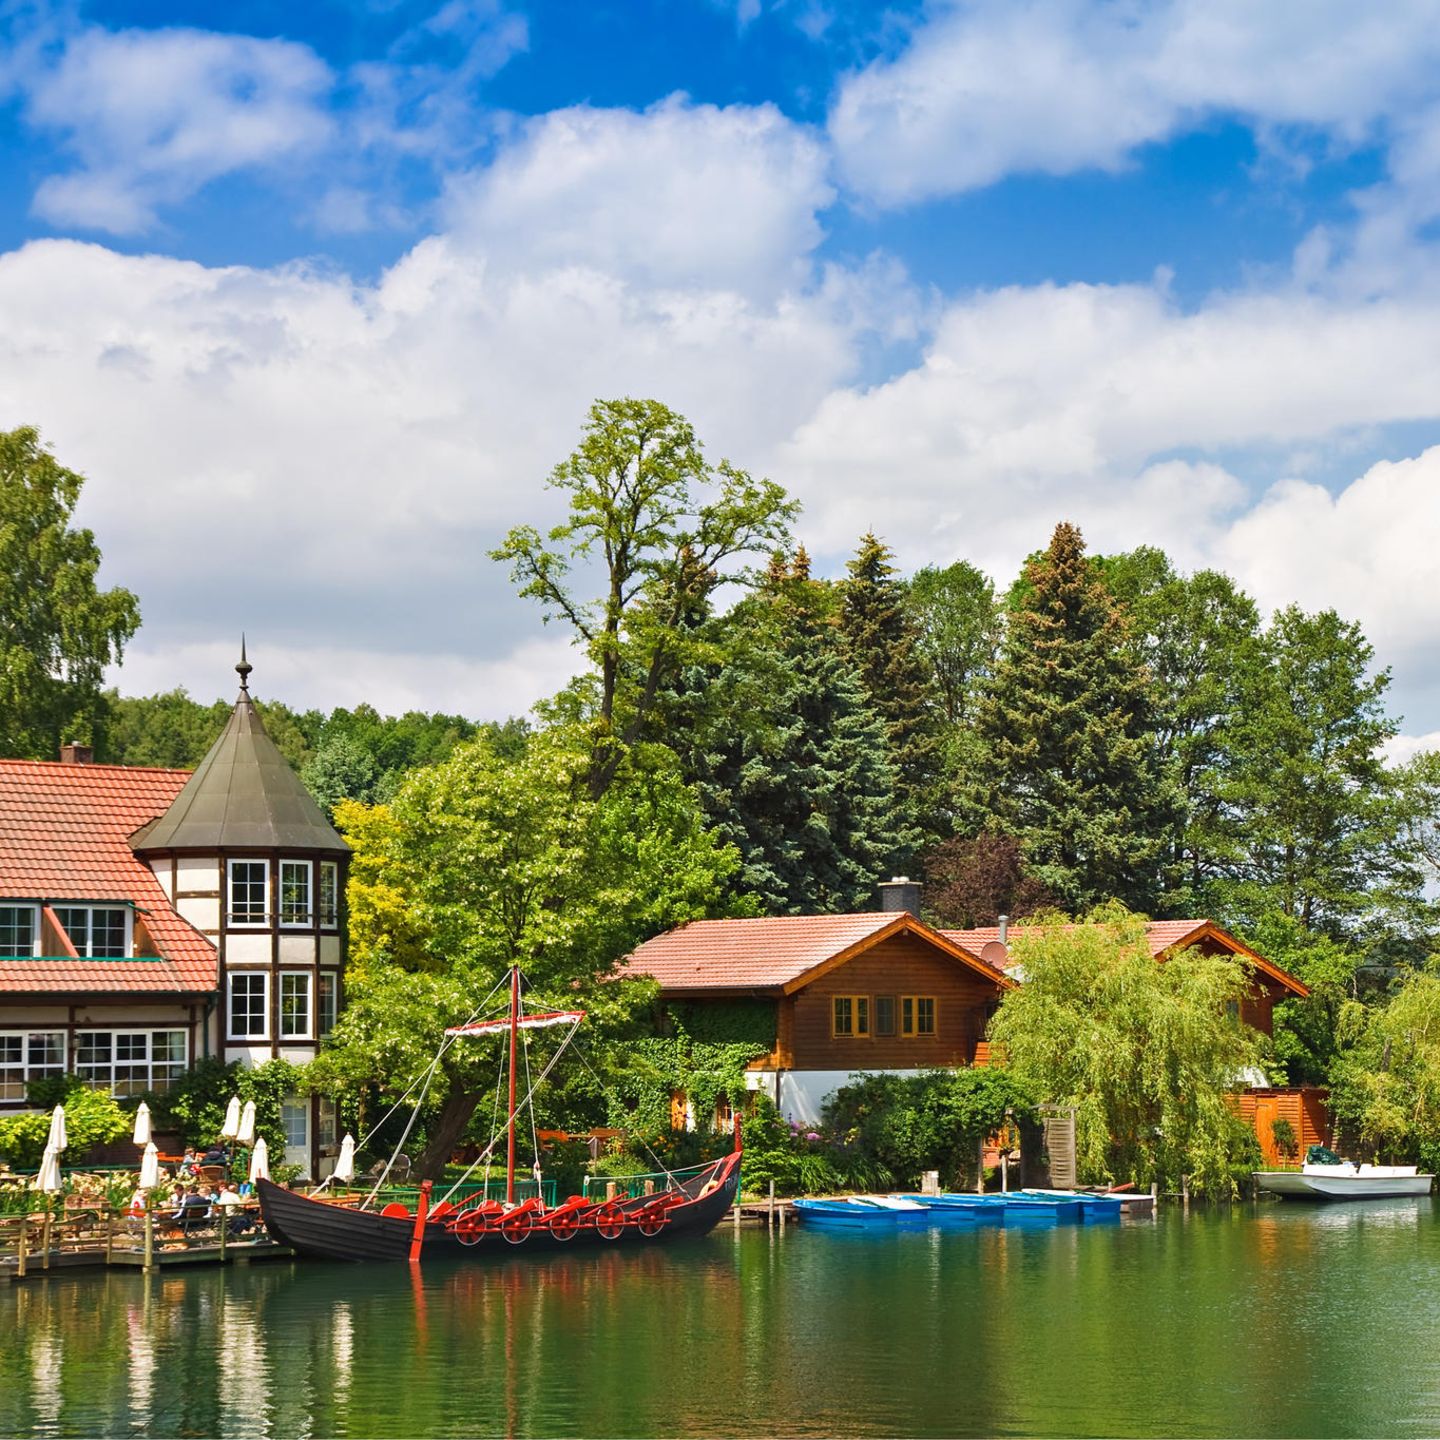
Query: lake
x=1276, y=1319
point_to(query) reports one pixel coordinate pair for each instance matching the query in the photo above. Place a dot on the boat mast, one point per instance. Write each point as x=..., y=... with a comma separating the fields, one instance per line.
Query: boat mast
x=514, y=1031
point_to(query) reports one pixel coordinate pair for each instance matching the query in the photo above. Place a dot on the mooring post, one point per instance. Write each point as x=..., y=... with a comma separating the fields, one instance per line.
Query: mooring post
x=1185, y=1192
x=24, y=1247
x=149, y=1236
x=109, y=1232
x=46, y=1229
x=770, y=1220
x=1154, y=1196
x=224, y=1228
x=980, y=1168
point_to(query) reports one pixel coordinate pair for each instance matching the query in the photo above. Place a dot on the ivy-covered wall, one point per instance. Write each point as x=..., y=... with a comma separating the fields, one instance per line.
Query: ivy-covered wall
x=702, y=1049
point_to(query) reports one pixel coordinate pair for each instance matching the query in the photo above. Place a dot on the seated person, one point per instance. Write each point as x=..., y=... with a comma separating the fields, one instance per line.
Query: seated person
x=217, y=1154
x=189, y=1162
x=228, y=1198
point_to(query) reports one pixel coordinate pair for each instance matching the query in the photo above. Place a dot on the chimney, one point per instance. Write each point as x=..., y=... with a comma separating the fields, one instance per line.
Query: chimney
x=900, y=894
x=74, y=753
x=1004, y=929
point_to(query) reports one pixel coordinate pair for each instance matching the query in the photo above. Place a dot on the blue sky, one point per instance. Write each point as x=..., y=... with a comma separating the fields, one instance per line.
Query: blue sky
x=321, y=293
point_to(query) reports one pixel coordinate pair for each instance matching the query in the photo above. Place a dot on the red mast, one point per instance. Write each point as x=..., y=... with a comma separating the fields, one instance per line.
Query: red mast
x=514, y=1031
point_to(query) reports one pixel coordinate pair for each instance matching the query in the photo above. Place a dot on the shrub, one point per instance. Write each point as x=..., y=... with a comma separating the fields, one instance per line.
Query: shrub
x=92, y=1117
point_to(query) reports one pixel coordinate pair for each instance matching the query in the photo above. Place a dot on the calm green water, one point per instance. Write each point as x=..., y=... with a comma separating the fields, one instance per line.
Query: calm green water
x=1272, y=1320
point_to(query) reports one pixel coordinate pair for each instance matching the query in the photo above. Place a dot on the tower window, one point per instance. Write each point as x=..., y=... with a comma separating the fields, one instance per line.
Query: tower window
x=295, y=892
x=249, y=884
x=249, y=1005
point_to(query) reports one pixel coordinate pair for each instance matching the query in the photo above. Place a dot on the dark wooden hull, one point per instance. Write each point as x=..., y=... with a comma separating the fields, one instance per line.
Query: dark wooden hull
x=336, y=1232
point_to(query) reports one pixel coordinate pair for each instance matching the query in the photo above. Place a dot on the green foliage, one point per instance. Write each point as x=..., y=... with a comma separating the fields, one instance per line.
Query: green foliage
x=1313, y=811
x=92, y=1117
x=58, y=630
x=789, y=759
x=958, y=619
x=1385, y=1081
x=637, y=487
x=484, y=862
x=1065, y=756
x=904, y=1125
x=882, y=642
x=1147, y=1053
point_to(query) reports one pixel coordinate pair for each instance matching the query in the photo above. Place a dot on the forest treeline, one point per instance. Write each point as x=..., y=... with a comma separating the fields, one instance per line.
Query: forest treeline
x=744, y=736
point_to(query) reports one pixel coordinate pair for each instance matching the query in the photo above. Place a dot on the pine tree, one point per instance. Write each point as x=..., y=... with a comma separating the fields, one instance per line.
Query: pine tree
x=881, y=641
x=1067, y=761
x=789, y=760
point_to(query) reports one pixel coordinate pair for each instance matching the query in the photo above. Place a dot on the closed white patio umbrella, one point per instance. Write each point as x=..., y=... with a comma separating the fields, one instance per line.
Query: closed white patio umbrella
x=245, y=1135
x=260, y=1161
x=231, y=1128
x=149, y=1167
x=142, y=1125
x=345, y=1166
x=56, y=1139
x=49, y=1177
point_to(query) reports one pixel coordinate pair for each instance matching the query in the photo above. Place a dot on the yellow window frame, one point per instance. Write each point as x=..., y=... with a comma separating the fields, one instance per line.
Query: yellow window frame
x=859, y=1017
x=910, y=1016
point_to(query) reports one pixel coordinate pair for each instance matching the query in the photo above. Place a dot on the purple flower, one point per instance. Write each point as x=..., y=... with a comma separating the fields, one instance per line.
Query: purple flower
x=811, y=1135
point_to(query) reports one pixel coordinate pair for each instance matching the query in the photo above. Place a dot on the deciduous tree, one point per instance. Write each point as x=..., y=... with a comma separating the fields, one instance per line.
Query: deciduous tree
x=666, y=528
x=1146, y=1052
x=58, y=629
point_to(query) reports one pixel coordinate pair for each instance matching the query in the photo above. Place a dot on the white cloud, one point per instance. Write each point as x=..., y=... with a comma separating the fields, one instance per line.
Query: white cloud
x=680, y=195
x=152, y=116
x=1054, y=86
x=1404, y=748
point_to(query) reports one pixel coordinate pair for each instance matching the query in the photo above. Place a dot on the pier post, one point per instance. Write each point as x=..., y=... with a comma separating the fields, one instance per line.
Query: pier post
x=224, y=1228
x=1185, y=1192
x=149, y=1236
x=1154, y=1196
x=770, y=1219
x=24, y=1247
x=46, y=1228
x=109, y=1232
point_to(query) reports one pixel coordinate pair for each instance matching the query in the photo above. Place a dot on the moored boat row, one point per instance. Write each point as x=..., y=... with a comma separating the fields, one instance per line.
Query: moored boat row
x=1015, y=1207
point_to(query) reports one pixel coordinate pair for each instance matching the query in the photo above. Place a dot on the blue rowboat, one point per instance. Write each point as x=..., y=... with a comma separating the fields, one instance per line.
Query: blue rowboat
x=1057, y=1209
x=856, y=1215
x=961, y=1209
x=1092, y=1207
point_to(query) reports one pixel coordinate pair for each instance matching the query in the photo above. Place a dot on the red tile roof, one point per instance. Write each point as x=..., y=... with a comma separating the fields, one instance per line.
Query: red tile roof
x=770, y=954
x=64, y=835
x=1161, y=936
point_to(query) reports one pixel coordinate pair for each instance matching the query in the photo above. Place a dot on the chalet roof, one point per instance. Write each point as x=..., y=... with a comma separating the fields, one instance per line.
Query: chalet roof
x=1162, y=936
x=243, y=795
x=64, y=836
x=778, y=954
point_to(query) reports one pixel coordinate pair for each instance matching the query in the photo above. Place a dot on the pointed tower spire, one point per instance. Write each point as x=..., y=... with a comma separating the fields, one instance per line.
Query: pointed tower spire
x=244, y=668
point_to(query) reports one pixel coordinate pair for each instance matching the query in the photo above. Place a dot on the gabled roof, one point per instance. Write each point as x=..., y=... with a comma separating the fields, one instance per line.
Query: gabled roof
x=779, y=954
x=64, y=835
x=243, y=795
x=1164, y=937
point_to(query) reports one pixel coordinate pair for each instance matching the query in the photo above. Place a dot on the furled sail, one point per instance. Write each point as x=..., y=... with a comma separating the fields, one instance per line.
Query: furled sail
x=539, y=1021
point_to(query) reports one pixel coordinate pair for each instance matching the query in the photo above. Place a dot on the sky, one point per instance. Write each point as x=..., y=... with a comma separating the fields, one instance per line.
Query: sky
x=317, y=295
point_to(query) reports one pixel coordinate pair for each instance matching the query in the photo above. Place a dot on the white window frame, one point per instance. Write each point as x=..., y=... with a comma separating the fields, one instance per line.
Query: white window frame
x=43, y=1069
x=308, y=976
x=108, y=1080
x=34, y=912
x=231, y=922
x=307, y=919
x=329, y=918
x=264, y=977
x=327, y=979
x=86, y=950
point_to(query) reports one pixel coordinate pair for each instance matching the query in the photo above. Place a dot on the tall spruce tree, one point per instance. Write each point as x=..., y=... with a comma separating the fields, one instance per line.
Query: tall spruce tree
x=790, y=761
x=881, y=641
x=1066, y=759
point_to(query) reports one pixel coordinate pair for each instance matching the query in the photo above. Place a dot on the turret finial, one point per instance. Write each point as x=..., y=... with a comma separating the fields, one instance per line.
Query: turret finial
x=244, y=668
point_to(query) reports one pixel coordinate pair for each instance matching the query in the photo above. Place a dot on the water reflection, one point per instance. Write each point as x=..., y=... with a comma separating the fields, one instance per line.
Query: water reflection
x=1260, y=1321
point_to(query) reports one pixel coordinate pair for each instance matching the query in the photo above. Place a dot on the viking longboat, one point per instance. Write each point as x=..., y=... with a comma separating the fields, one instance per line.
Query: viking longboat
x=691, y=1204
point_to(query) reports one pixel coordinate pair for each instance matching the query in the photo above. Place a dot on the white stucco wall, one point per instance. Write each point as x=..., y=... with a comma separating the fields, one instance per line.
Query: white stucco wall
x=803, y=1093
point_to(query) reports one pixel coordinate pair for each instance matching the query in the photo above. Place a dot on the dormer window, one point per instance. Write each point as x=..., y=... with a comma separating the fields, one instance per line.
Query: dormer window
x=295, y=892
x=98, y=932
x=18, y=929
x=249, y=882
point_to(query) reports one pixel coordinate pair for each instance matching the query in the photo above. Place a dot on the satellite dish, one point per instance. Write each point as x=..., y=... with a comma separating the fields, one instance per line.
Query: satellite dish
x=995, y=954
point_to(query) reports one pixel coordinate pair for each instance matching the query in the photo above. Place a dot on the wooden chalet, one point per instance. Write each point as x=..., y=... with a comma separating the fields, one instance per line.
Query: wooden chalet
x=151, y=918
x=880, y=990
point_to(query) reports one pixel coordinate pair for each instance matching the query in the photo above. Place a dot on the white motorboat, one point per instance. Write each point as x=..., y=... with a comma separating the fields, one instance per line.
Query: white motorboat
x=1346, y=1181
